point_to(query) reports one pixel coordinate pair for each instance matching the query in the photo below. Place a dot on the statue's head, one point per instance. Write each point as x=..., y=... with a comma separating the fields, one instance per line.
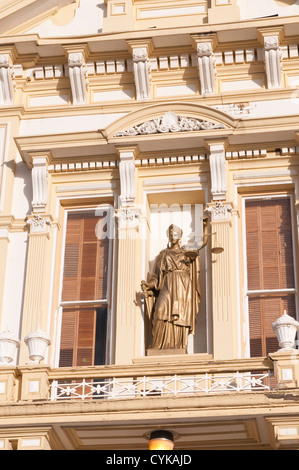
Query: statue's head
x=174, y=232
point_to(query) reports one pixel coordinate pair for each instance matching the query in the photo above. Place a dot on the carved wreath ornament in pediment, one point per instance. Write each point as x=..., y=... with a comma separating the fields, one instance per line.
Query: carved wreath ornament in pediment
x=170, y=122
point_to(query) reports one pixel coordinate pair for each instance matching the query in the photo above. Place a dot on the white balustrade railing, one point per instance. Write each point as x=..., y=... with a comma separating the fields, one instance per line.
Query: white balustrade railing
x=111, y=388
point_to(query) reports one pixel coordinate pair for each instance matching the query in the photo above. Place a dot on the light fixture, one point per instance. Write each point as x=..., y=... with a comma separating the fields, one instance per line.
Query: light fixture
x=161, y=440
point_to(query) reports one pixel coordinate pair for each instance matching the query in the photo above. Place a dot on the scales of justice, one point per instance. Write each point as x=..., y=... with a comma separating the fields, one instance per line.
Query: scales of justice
x=172, y=292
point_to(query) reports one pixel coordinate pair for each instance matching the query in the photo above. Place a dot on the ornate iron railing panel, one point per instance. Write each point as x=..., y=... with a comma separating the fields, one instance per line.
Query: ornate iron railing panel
x=111, y=388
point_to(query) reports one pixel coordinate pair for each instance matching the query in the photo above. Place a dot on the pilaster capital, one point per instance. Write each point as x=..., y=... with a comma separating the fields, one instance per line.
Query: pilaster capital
x=129, y=218
x=204, y=43
x=127, y=152
x=10, y=53
x=140, y=48
x=220, y=211
x=79, y=52
x=38, y=225
x=270, y=37
x=216, y=145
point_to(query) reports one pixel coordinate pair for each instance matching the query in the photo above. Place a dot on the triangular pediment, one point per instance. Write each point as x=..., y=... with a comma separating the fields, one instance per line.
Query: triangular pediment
x=19, y=16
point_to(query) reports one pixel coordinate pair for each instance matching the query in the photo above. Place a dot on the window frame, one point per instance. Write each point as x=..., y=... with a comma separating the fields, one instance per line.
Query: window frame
x=248, y=293
x=110, y=275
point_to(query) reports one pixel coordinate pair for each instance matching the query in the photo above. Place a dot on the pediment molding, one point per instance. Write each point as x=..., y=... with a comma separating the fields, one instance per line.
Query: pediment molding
x=170, y=118
x=170, y=122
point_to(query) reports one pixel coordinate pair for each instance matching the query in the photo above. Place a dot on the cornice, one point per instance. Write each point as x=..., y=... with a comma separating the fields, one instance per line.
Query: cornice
x=100, y=149
x=98, y=43
x=58, y=146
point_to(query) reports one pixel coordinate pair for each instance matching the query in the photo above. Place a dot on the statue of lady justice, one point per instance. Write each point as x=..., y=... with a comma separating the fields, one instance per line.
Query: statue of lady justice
x=172, y=294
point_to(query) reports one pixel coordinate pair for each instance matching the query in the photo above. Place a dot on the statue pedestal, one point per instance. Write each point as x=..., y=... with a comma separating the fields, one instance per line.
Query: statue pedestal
x=165, y=352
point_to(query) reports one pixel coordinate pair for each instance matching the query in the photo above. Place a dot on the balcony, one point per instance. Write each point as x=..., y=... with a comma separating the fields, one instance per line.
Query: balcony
x=161, y=380
x=206, y=403
x=192, y=375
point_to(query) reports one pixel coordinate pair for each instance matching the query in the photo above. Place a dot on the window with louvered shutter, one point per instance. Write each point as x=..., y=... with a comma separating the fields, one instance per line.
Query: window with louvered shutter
x=84, y=293
x=270, y=269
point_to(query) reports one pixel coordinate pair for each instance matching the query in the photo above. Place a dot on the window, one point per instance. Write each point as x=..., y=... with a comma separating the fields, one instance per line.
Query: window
x=84, y=293
x=270, y=269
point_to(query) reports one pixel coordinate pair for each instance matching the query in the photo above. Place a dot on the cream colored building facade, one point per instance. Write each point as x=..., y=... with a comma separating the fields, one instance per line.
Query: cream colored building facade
x=142, y=113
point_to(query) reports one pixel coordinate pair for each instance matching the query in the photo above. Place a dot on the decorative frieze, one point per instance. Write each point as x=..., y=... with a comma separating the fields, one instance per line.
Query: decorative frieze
x=170, y=160
x=173, y=159
x=158, y=63
x=248, y=153
x=82, y=166
x=170, y=122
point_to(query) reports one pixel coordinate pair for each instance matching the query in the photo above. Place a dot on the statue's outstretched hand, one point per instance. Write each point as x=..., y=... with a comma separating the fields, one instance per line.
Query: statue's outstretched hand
x=192, y=254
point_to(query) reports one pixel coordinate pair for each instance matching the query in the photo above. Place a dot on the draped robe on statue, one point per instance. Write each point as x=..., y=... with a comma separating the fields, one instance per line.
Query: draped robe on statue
x=173, y=303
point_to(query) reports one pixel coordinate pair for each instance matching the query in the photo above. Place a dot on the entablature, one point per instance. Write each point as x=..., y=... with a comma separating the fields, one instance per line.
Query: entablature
x=165, y=130
x=43, y=74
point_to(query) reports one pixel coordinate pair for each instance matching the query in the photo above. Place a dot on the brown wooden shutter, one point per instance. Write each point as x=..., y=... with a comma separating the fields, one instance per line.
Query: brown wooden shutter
x=270, y=266
x=86, y=337
x=68, y=338
x=86, y=260
x=85, y=278
x=77, y=337
x=72, y=260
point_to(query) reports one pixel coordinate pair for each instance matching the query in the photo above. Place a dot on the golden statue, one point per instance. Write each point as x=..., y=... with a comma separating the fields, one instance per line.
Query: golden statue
x=172, y=294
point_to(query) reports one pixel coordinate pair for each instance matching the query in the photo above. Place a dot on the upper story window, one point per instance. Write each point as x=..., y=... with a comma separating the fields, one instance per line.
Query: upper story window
x=271, y=286
x=84, y=292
